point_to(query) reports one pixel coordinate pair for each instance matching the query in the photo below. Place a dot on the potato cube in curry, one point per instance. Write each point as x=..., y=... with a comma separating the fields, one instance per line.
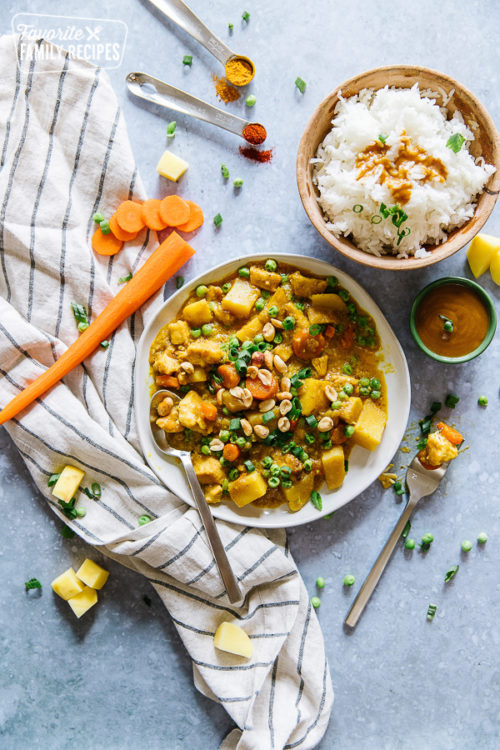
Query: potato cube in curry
x=300, y=319
x=250, y=329
x=279, y=299
x=213, y=493
x=197, y=313
x=170, y=423
x=370, y=426
x=329, y=301
x=204, y=352
x=208, y=470
x=284, y=351
x=350, y=410
x=334, y=467
x=312, y=396
x=240, y=299
x=180, y=333
x=299, y=493
x=264, y=279
x=165, y=364
x=305, y=286
x=247, y=488
x=320, y=364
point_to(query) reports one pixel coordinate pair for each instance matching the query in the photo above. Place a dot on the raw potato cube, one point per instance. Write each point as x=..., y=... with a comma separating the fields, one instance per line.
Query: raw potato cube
x=312, y=396
x=67, y=584
x=370, y=426
x=334, y=467
x=92, y=574
x=82, y=602
x=250, y=329
x=350, y=410
x=171, y=166
x=299, y=493
x=495, y=267
x=481, y=251
x=197, y=313
x=304, y=286
x=247, y=488
x=233, y=639
x=68, y=483
x=264, y=279
x=240, y=299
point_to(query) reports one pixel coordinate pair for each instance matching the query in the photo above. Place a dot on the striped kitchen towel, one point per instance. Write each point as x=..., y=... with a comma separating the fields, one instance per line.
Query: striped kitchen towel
x=64, y=153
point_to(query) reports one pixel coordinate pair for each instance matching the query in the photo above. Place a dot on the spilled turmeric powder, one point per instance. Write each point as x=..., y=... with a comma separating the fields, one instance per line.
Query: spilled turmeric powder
x=225, y=92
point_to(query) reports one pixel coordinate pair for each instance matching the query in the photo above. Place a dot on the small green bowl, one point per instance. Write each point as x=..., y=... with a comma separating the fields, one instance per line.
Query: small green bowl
x=484, y=297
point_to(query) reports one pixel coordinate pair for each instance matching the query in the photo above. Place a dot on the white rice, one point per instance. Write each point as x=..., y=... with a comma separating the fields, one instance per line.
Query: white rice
x=434, y=208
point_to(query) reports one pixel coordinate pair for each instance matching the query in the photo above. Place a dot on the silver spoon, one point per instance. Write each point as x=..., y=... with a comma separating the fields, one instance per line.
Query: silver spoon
x=158, y=92
x=421, y=482
x=160, y=438
x=179, y=13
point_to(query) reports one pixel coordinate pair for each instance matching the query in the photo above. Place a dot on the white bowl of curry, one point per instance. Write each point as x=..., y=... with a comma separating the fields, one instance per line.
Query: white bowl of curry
x=295, y=391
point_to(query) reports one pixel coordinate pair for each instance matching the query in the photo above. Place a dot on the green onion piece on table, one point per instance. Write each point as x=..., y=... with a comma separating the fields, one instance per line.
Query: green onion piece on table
x=245, y=16
x=171, y=129
x=300, y=84
x=230, y=26
x=124, y=279
x=316, y=500
x=143, y=520
x=53, y=479
x=187, y=60
x=435, y=407
x=238, y=182
x=98, y=217
x=451, y=400
x=33, y=583
x=225, y=171
x=96, y=490
x=406, y=529
x=179, y=281
x=451, y=573
x=218, y=220
x=105, y=228
x=431, y=611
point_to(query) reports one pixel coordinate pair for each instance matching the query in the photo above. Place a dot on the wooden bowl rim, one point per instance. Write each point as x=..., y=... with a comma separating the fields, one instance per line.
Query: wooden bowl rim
x=463, y=235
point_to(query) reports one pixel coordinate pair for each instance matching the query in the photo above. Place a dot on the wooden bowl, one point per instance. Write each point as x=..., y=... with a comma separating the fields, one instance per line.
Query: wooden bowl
x=486, y=144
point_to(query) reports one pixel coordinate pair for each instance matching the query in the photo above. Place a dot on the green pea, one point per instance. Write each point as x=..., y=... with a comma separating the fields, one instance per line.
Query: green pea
x=278, y=338
x=375, y=395
x=347, y=368
x=289, y=323
x=349, y=430
x=207, y=329
x=364, y=382
x=482, y=537
x=348, y=388
x=241, y=442
x=205, y=450
x=342, y=396
x=244, y=272
x=320, y=582
x=251, y=100
x=410, y=544
x=375, y=384
x=258, y=339
x=482, y=401
x=80, y=512
x=273, y=311
x=349, y=580
x=466, y=545
x=260, y=304
x=226, y=287
x=201, y=290
x=336, y=405
x=143, y=520
x=364, y=391
x=270, y=265
x=196, y=333
x=316, y=602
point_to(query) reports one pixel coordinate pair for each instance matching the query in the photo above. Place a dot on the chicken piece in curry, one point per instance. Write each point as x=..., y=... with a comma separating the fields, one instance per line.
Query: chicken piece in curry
x=278, y=374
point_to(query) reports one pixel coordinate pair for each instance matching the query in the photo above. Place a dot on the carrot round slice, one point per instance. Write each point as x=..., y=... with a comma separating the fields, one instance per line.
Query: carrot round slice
x=195, y=218
x=119, y=233
x=106, y=244
x=151, y=215
x=129, y=216
x=174, y=210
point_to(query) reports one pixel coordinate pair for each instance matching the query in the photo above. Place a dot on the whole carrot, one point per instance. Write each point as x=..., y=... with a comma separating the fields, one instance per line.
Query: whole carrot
x=160, y=266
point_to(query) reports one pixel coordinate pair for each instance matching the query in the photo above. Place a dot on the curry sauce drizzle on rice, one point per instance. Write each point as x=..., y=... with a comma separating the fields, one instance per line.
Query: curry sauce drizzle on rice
x=392, y=148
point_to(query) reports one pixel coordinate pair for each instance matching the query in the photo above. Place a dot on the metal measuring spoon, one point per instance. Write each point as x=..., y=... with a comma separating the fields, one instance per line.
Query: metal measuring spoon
x=179, y=13
x=158, y=92
x=160, y=438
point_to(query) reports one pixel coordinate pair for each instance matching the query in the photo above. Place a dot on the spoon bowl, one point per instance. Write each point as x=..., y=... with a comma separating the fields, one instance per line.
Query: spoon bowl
x=161, y=441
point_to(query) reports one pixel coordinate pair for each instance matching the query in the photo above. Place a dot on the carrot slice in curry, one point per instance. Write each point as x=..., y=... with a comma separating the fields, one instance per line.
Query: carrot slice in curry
x=174, y=210
x=261, y=391
x=195, y=218
x=106, y=244
x=450, y=434
x=129, y=216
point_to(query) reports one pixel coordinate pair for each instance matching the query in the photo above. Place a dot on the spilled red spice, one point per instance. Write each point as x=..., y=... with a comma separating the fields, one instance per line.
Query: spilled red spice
x=254, y=154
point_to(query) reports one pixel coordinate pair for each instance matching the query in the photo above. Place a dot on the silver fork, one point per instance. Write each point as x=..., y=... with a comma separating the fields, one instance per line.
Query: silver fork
x=421, y=482
x=159, y=436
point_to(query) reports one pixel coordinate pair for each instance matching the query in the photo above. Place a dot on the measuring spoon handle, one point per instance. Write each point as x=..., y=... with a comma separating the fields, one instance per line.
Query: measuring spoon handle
x=168, y=96
x=179, y=13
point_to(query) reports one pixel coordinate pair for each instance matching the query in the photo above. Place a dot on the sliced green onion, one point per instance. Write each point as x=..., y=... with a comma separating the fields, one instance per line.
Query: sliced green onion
x=451, y=573
x=225, y=171
x=235, y=424
x=455, y=142
x=171, y=129
x=357, y=208
x=105, y=228
x=431, y=611
x=274, y=482
x=179, y=281
x=301, y=84
x=124, y=279
x=406, y=530
x=249, y=466
x=451, y=400
x=218, y=220
x=315, y=329
x=53, y=479
x=187, y=60
x=383, y=138
x=33, y=583
x=289, y=323
x=230, y=26
x=98, y=217
x=245, y=16
x=311, y=421
x=316, y=500
x=238, y=182
x=376, y=219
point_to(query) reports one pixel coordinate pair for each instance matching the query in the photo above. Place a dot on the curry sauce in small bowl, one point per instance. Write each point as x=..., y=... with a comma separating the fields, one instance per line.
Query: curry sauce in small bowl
x=453, y=320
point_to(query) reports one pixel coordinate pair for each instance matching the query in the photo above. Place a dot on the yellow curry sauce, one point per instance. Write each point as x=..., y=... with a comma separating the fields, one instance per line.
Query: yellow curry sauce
x=411, y=162
x=463, y=308
x=279, y=379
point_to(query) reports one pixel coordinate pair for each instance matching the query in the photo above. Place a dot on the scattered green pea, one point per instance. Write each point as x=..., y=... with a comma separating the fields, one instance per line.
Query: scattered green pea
x=143, y=520
x=410, y=544
x=251, y=100
x=482, y=401
x=349, y=580
x=201, y=290
x=466, y=545
x=238, y=182
x=482, y=538
x=316, y=602
x=320, y=582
